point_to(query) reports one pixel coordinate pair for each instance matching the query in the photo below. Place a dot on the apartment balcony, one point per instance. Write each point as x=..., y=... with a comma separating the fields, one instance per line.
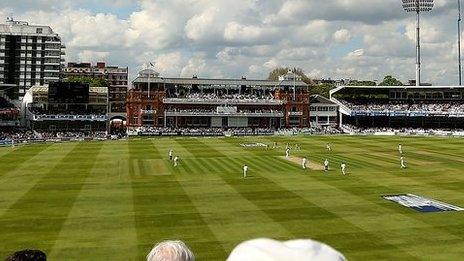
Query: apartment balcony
x=52, y=42
x=48, y=55
x=52, y=63
x=52, y=48
x=51, y=70
x=51, y=78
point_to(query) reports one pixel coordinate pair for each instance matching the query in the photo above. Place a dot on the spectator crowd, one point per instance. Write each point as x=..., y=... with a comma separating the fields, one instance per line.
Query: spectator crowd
x=5, y=104
x=241, y=111
x=23, y=135
x=403, y=131
x=218, y=97
x=155, y=131
x=390, y=106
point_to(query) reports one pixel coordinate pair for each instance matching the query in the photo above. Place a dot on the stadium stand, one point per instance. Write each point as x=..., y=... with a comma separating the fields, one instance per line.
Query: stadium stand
x=9, y=113
x=76, y=109
x=155, y=131
x=217, y=103
x=399, y=107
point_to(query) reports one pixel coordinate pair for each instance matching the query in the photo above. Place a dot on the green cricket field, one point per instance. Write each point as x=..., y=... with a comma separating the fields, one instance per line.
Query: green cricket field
x=114, y=200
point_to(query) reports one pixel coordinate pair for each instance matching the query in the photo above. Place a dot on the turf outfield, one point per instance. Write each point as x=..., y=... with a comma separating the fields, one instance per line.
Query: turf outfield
x=113, y=200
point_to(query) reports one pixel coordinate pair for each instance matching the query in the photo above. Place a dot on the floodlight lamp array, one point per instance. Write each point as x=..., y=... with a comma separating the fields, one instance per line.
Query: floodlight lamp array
x=417, y=5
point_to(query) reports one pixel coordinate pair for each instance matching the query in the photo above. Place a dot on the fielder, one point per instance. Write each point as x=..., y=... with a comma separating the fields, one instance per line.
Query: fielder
x=303, y=163
x=245, y=171
x=287, y=152
x=328, y=147
x=403, y=165
x=170, y=154
x=326, y=165
x=400, y=148
x=297, y=147
x=176, y=161
x=343, y=167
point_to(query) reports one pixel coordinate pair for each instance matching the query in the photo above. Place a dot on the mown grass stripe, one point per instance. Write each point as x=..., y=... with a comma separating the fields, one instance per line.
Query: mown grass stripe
x=197, y=168
x=18, y=156
x=101, y=217
x=240, y=162
x=268, y=165
x=366, y=187
x=232, y=168
x=61, y=185
x=185, y=166
x=272, y=162
x=307, y=211
x=200, y=149
x=16, y=183
x=162, y=208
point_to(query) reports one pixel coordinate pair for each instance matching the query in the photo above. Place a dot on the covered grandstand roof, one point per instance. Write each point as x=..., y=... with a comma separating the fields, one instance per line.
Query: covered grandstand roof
x=230, y=82
x=374, y=88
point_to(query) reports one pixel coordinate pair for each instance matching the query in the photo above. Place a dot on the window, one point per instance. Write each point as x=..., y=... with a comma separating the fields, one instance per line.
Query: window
x=39, y=30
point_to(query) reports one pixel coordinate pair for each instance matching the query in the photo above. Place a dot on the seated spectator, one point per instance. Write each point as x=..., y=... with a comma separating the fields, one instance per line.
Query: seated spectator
x=27, y=255
x=264, y=249
x=170, y=251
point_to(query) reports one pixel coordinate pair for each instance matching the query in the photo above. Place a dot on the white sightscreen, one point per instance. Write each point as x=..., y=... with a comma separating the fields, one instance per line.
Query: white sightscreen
x=216, y=122
x=238, y=122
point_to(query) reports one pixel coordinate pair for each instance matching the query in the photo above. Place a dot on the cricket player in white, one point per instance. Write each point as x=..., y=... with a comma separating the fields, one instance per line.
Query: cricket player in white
x=303, y=163
x=176, y=161
x=403, y=165
x=326, y=165
x=287, y=152
x=170, y=154
x=343, y=166
x=400, y=148
x=245, y=170
x=328, y=147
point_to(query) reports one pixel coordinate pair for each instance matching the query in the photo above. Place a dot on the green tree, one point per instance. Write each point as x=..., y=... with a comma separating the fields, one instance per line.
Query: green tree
x=322, y=89
x=362, y=83
x=390, y=81
x=92, y=81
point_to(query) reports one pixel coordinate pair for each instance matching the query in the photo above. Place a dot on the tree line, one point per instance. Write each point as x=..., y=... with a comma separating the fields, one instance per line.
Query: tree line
x=324, y=88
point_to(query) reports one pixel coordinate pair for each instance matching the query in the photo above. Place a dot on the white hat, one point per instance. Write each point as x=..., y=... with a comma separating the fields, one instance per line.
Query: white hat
x=264, y=249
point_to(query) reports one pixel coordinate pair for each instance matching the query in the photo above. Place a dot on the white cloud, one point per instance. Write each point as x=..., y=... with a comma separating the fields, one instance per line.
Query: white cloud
x=169, y=63
x=92, y=56
x=342, y=36
x=363, y=39
x=201, y=27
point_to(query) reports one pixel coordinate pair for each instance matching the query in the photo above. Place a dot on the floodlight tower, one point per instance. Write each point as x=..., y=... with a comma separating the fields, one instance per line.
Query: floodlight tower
x=418, y=6
x=459, y=43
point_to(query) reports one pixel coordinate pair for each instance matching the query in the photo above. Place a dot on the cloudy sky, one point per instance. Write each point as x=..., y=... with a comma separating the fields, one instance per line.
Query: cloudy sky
x=358, y=39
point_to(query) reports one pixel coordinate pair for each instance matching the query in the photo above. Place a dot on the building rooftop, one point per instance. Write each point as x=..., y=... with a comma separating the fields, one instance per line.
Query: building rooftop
x=12, y=27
